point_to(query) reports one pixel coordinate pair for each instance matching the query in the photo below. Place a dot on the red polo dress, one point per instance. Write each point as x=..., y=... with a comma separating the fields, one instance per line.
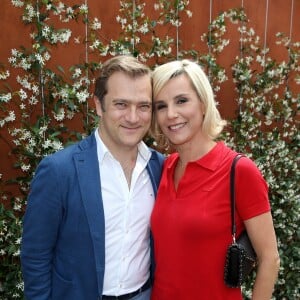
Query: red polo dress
x=191, y=226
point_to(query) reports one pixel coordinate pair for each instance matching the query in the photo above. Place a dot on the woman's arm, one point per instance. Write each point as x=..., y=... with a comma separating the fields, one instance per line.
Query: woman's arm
x=262, y=235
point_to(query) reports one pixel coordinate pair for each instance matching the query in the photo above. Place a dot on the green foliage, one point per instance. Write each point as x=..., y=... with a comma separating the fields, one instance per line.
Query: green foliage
x=52, y=108
x=10, y=237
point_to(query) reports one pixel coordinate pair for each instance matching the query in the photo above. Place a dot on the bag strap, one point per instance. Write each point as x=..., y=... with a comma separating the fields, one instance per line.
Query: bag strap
x=232, y=194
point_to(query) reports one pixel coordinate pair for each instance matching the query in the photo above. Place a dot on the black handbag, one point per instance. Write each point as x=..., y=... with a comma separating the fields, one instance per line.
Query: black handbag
x=240, y=257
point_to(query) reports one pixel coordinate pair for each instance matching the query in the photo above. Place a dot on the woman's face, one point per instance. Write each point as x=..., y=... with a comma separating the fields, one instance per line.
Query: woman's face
x=179, y=111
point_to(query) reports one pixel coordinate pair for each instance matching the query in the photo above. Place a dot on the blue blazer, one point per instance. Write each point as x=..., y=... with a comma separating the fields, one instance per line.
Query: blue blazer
x=63, y=248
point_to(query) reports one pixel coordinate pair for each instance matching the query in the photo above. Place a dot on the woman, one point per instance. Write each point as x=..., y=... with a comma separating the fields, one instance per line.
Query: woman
x=191, y=222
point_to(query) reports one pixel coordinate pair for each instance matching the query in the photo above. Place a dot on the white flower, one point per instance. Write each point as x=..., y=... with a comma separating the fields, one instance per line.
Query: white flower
x=5, y=97
x=4, y=75
x=25, y=168
x=176, y=23
x=59, y=9
x=189, y=13
x=121, y=21
x=17, y=3
x=20, y=286
x=84, y=8
x=60, y=115
x=33, y=100
x=47, y=56
x=77, y=40
x=144, y=28
x=96, y=24
x=30, y=12
x=65, y=36
x=24, y=64
x=46, y=144
x=64, y=93
x=15, y=52
x=70, y=11
x=46, y=31
x=251, y=32
x=268, y=122
x=77, y=73
x=95, y=44
x=40, y=59
x=24, y=82
x=42, y=130
x=35, y=89
x=271, y=73
x=11, y=116
x=156, y=6
x=57, y=145
x=22, y=94
x=82, y=96
x=12, y=60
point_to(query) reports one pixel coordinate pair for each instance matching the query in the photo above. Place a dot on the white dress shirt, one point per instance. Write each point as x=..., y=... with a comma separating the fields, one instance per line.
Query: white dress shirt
x=127, y=221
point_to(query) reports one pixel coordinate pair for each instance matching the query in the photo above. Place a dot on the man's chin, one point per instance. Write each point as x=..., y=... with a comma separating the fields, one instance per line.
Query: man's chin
x=130, y=141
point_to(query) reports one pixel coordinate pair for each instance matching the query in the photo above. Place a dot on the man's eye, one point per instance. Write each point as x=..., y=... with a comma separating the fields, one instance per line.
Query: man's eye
x=145, y=107
x=120, y=105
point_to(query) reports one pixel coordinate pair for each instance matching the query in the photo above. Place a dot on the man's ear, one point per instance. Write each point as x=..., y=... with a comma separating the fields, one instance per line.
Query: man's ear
x=98, y=106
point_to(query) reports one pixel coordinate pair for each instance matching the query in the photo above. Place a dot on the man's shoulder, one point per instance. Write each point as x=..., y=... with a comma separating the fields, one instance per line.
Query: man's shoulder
x=71, y=149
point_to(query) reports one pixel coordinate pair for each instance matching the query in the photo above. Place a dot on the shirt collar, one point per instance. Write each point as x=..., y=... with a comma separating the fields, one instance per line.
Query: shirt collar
x=210, y=160
x=103, y=151
x=213, y=158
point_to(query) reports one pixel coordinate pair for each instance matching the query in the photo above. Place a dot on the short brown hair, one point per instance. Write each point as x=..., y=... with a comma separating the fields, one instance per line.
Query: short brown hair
x=127, y=64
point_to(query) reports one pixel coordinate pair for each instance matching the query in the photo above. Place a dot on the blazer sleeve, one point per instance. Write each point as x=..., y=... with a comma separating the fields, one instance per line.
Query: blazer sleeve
x=40, y=228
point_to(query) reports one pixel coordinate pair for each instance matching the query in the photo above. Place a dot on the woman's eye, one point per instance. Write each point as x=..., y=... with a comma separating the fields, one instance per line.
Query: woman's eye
x=160, y=106
x=182, y=100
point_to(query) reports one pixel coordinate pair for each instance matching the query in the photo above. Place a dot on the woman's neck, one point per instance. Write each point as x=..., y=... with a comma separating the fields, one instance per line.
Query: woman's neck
x=189, y=152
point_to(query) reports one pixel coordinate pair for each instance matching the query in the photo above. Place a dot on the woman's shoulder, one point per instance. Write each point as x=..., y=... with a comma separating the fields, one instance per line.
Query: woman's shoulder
x=246, y=163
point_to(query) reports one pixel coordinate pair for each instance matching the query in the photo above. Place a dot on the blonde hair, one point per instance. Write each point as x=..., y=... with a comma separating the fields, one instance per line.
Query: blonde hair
x=213, y=124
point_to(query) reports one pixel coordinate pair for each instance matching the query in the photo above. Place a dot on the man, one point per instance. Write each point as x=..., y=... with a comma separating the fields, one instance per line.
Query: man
x=86, y=227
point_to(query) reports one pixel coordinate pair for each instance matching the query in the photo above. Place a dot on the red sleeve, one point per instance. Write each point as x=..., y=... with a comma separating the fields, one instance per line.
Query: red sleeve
x=251, y=190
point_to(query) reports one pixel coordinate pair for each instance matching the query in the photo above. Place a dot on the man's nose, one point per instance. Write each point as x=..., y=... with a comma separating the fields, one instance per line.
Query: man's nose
x=132, y=114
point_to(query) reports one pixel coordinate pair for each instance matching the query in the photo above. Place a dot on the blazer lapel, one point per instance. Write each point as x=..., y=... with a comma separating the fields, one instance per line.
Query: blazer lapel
x=86, y=162
x=154, y=168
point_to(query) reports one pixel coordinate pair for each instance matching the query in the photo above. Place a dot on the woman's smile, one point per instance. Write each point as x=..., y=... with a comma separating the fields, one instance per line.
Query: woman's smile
x=177, y=126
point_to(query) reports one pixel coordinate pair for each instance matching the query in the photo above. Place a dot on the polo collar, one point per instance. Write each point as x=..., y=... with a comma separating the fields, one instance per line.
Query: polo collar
x=211, y=160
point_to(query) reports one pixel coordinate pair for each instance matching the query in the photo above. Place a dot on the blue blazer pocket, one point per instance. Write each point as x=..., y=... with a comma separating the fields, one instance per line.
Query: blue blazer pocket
x=62, y=288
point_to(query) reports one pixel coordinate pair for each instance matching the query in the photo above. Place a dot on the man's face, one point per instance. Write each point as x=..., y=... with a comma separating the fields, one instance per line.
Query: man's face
x=126, y=116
